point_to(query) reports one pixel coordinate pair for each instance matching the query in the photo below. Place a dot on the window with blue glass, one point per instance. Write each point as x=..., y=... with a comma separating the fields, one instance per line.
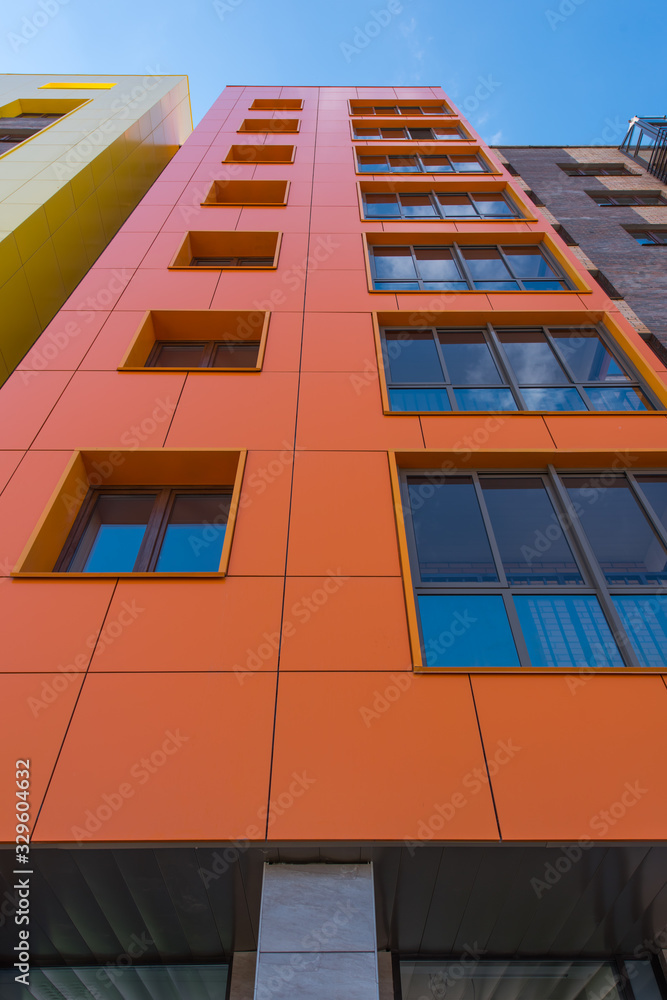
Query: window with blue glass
x=542, y=368
x=153, y=530
x=439, y=205
x=421, y=162
x=411, y=130
x=456, y=267
x=539, y=569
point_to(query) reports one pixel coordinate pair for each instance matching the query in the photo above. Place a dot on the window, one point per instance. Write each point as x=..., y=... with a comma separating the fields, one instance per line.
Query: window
x=543, y=368
x=596, y=170
x=537, y=979
x=530, y=569
x=161, y=531
x=399, y=109
x=424, y=163
x=437, y=132
x=622, y=199
x=247, y=193
x=234, y=249
x=269, y=125
x=649, y=237
x=17, y=128
x=141, y=510
x=260, y=154
x=464, y=268
x=206, y=339
x=200, y=354
x=605, y=284
x=276, y=104
x=439, y=205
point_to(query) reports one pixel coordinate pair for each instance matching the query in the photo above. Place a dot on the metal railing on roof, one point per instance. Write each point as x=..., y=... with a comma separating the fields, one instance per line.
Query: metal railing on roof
x=646, y=142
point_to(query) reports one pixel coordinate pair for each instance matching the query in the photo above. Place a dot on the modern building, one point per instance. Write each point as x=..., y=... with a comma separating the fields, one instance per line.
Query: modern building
x=333, y=615
x=76, y=156
x=610, y=206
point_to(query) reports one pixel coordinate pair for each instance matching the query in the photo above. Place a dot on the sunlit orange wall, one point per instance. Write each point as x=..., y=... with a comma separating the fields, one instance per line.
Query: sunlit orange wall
x=281, y=700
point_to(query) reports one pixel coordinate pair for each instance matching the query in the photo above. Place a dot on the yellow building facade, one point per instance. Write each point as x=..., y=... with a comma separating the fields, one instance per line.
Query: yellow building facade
x=77, y=154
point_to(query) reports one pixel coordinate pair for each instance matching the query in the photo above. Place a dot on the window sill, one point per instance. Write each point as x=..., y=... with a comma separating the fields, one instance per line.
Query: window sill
x=184, y=574
x=194, y=371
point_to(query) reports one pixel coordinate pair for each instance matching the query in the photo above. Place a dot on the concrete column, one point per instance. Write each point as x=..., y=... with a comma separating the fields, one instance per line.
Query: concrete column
x=317, y=936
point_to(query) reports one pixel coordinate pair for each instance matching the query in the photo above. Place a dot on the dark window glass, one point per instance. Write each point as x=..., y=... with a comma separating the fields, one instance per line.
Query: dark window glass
x=429, y=400
x=417, y=206
x=493, y=206
x=456, y=205
x=655, y=489
x=392, y=133
x=412, y=357
x=436, y=264
x=566, y=631
x=452, y=544
x=485, y=399
x=381, y=206
x=235, y=354
x=467, y=164
x=437, y=164
x=468, y=358
x=552, y=399
x=441, y=132
x=404, y=164
x=528, y=263
x=617, y=398
x=522, y=517
x=394, y=263
x=625, y=545
x=178, y=355
x=373, y=164
x=588, y=358
x=531, y=357
x=194, y=534
x=645, y=621
x=487, y=269
x=114, y=533
x=421, y=133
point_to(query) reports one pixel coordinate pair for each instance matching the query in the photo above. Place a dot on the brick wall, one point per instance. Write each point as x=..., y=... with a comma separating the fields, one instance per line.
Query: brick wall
x=638, y=273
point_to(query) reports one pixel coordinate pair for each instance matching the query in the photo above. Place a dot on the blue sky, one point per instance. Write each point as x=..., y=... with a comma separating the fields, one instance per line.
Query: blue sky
x=525, y=71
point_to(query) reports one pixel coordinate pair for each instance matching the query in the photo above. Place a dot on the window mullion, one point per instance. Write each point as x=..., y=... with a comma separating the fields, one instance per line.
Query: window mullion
x=406, y=509
x=515, y=627
x=463, y=267
x=647, y=508
x=207, y=359
x=441, y=356
x=560, y=357
x=147, y=555
x=506, y=370
x=500, y=569
x=414, y=264
x=576, y=534
x=509, y=267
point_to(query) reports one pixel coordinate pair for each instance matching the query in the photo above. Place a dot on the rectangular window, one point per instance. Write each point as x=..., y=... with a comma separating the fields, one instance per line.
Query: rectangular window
x=17, y=128
x=276, y=104
x=530, y=569
x=649, y=237
x=205, y=339
x=260, y=154
x=269, y=125
x=624, y=198
x=247, y=193
x=423, y=108
x=421, y=163
x=529, y=979
x=233, y=249
x=439, y=205
x=410, y=131
x=163, y=531
x=596, y=170
x=541, y=368
x=465, y=268
x=192, y=354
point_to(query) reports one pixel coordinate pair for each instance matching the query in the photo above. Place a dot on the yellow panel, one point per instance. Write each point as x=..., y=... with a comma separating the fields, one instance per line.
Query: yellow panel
x=46, y=285
x=76, y=86
x=101, y=166
x=82, y=185
x=90, y=223
x=20, y=324
x=34, y=192
x=71, y=253
x=110, y=210
x=10, y=261
x=59, y=208
x=32, y=233
x=4, y=371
